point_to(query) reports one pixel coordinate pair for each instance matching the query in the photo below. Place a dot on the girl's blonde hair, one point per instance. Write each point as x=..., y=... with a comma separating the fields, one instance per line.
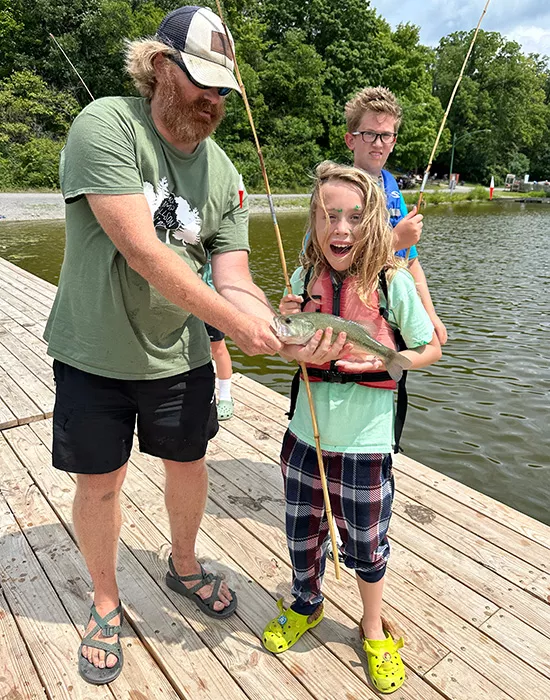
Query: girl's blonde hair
x=373, y=245
x=138, y=59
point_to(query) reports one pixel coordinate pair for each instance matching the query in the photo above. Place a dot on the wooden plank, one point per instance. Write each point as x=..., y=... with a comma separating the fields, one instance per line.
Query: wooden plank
x=458, y=681
x=51, y=639
x=39, y=364
x=38, y=288
x=7, y=417
x=476, y=548
x=519, y=522
x=30, y=335
x=243, y=661
x=274, y=406
x=24, y=289
x=500, y=668
x=19, y=300
x=15, y=313
x=521, y=639
x=7, y=265
x=534, y=610
x=269, y=573
x=64, y=566
x=261, y=482
x=491, y=585
x=471, y=520
x=37, y=390
x=168, y=636
x=473, y=574
x=18, y=677
x=17, y=401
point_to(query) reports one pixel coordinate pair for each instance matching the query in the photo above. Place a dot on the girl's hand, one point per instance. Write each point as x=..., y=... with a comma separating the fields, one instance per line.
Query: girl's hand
x=319, y=349
x=291, y=304
x=365, y=363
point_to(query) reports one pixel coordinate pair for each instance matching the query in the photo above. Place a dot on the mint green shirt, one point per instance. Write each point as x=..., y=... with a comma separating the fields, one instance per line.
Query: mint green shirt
x=354, y=418
x=106, y=318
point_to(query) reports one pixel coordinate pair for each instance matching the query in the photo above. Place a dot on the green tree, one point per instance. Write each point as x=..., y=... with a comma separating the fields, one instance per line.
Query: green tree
x=34, y=120
x=502, y=90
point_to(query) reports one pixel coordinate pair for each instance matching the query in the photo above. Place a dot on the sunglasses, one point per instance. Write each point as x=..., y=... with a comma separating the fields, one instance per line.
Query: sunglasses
x=222, y=91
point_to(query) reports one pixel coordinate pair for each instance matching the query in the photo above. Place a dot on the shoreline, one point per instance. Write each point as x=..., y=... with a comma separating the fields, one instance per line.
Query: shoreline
x=49, y=206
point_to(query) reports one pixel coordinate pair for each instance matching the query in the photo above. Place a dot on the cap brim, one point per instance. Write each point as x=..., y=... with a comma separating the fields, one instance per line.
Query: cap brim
x=210, y=73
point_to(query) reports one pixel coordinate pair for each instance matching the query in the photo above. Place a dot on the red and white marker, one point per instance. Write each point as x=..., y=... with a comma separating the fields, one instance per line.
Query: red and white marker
x=491, y=187
x=241, y=191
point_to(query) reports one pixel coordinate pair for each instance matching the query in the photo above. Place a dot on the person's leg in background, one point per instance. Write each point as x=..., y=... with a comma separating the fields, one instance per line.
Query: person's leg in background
x=224, y=372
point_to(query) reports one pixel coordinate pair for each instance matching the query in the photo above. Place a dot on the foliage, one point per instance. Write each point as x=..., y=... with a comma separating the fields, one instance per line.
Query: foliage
x=502, y=103
x=34, y=120
x=300, y=62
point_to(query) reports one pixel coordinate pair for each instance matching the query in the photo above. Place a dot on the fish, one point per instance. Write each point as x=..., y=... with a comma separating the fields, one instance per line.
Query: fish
x=297, y=329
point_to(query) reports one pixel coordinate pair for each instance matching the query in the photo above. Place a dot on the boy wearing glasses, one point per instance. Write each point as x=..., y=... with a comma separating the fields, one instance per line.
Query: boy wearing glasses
x=373, y=118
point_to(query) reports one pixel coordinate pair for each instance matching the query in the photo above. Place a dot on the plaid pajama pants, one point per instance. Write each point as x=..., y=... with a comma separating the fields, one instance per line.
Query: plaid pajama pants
x=361, y=492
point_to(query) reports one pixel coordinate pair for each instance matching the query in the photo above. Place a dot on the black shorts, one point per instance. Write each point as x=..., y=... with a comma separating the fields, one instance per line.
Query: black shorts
x=94, y=418
x=214, y=334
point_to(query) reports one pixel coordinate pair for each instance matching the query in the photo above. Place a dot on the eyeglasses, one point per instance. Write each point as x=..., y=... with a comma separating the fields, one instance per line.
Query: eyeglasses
x=386, y=137
x=222, y=91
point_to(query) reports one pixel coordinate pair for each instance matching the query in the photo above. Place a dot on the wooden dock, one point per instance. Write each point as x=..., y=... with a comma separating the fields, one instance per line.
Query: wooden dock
x=468, y=581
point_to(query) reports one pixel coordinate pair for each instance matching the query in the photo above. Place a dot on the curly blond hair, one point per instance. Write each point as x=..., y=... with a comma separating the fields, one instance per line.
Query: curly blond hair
x=138, y=59
x=372, y=99
x=373, y=246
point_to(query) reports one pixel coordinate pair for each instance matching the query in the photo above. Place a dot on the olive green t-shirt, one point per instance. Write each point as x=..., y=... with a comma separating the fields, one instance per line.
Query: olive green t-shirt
x=106, y=318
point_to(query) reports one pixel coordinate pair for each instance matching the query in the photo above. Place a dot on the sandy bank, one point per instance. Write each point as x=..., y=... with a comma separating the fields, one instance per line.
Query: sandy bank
x=27, y=206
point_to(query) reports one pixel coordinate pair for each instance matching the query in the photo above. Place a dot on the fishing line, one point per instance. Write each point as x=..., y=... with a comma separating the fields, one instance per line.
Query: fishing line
x=326, y=498
x=451, y=99
x=70, y=63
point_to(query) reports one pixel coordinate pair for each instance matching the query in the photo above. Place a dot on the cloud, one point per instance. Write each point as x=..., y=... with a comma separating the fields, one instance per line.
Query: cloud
x=527, y=22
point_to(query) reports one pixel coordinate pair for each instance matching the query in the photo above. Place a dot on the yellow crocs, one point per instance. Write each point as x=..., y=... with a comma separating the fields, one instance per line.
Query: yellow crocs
x=284, y=631
x=386, y=669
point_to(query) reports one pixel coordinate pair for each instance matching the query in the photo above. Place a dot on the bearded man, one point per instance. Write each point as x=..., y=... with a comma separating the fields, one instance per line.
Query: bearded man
x=149, y=198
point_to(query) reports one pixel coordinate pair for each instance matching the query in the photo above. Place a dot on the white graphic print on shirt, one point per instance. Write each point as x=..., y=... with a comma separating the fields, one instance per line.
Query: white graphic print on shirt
x=173, y=214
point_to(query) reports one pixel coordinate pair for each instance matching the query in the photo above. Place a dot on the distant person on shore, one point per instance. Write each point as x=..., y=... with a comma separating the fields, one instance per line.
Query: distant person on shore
x=222, y=360
x=149, y=198
x=373, y=118
x=348, y=263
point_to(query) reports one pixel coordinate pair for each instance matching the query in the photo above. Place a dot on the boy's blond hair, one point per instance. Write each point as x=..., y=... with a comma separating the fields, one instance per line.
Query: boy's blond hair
x=379, y=100
x=139, y=55
x=373, y=246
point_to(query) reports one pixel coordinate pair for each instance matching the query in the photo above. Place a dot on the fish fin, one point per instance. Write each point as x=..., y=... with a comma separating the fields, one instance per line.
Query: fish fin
x=397, y=365
x=369, y=326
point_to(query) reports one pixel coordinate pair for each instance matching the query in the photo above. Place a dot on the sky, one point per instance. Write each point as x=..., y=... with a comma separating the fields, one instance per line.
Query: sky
x=524, y=21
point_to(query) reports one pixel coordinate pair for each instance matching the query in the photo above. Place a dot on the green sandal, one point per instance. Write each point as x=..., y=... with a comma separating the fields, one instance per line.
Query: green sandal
x=94, y=674
x=386, y=669
x=284, y=631
x=225, y=409
x=177, y=583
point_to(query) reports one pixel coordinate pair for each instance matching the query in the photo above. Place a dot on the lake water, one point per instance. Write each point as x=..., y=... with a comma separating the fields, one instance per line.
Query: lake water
x=481, y=414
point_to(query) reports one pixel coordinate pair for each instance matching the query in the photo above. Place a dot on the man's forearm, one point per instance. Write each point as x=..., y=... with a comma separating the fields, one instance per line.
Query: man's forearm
x=127, y=221
x=248, y=298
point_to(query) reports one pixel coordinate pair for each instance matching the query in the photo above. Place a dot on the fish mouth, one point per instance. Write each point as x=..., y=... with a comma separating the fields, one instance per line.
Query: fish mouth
x=340, y=250
x=280, y=327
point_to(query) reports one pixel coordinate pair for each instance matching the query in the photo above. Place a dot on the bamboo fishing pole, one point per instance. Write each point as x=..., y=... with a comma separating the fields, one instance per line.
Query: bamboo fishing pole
x=451, y=99
x=326, y=496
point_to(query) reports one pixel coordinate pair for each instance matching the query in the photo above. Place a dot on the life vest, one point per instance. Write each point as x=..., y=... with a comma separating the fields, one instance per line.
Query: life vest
x=330, y=295
x=393, y=197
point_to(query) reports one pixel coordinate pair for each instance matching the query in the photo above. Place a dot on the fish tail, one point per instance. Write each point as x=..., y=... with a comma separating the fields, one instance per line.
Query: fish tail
x=397, y=365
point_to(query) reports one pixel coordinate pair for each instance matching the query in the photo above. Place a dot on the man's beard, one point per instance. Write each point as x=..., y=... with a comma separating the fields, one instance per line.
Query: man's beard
x=181, y=117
